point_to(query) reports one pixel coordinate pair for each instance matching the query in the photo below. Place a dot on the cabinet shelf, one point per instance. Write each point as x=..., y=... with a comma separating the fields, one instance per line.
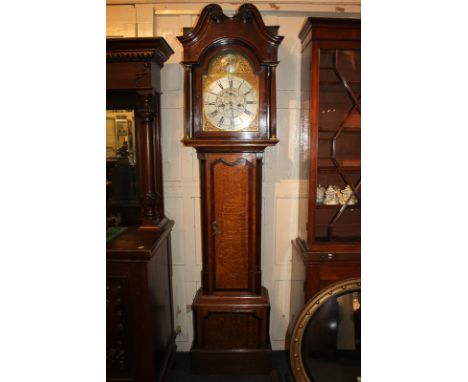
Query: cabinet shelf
x=335, y=225
x=352, y=208
x=347, y=129
x=332, y=169
x=343, y=162
x=339, y=240
x=338, y=83
x=348, y=165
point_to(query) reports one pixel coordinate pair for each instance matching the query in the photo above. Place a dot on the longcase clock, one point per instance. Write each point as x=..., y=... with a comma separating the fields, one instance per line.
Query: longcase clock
x=230, y=118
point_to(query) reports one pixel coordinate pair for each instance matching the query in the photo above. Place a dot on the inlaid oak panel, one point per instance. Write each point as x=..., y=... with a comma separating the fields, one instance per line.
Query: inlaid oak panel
x=231, y=215
x=233, y=188
x=230, y=224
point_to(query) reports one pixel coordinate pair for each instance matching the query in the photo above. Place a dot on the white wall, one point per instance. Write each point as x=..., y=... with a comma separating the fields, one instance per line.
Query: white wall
x=180, y=165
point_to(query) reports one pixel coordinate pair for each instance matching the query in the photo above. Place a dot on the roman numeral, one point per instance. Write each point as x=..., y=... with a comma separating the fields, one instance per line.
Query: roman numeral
x=213, y=113
x=213, y=93
x=248, y=112
x=219, y=84
x=242, y=83
x=251, y=102
x=232, y=123
x=248, y=91
x=230, y=82
x=211, y=103
x=220, y=122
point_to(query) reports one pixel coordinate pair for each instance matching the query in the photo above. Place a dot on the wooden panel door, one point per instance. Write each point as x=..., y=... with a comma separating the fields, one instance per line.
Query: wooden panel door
x=230, y=221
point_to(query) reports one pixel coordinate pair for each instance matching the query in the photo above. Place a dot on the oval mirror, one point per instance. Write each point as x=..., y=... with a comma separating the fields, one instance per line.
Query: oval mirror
x=325, y=343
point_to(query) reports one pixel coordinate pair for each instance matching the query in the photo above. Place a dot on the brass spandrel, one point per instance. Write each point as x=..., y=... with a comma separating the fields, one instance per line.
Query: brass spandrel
x=230, y=63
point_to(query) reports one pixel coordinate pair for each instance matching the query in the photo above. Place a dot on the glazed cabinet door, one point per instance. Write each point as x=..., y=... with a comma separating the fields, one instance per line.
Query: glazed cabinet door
x=336, y=206
x=231, y=230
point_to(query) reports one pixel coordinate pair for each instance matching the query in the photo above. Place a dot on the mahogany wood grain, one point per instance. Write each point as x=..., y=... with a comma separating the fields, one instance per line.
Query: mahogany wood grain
x=231, y=310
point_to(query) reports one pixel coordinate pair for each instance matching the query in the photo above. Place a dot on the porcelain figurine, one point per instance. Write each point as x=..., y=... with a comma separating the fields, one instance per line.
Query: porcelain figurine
x=338, y=193
x=320, y=194
x=331, y=198
x=348, y=195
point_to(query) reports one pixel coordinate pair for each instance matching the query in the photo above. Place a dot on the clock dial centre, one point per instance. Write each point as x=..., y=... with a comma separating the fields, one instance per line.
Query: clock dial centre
x=230, y=103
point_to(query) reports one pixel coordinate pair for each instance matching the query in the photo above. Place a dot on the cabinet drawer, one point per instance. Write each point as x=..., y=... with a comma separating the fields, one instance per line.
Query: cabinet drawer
x=335, y=271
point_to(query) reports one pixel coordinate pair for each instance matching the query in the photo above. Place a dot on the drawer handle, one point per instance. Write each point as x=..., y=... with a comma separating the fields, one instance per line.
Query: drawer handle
x=330, y=255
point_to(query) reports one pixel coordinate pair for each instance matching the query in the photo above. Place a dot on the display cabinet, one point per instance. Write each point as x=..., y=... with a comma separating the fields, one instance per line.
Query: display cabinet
x=330, y=150
x=140, y=336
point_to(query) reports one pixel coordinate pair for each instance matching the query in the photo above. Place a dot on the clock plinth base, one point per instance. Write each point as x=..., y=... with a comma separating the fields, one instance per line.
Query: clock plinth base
x=231, y=334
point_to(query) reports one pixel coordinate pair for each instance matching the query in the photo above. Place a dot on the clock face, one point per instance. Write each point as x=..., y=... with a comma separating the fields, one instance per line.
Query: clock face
x=230, y=103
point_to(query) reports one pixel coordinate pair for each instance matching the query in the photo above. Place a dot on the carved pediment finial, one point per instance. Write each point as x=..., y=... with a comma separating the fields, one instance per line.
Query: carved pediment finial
x=215, y=12
x=246, y=13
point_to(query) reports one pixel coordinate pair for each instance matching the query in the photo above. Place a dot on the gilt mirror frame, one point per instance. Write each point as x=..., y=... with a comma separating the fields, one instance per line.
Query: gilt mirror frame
x=310, y=308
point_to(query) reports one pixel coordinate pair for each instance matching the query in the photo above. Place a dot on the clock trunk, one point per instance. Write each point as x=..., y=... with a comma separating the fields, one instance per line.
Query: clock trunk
x=231, y=191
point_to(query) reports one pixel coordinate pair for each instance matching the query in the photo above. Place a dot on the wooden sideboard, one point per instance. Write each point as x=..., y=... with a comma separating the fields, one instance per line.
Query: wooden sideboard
x=140, y=325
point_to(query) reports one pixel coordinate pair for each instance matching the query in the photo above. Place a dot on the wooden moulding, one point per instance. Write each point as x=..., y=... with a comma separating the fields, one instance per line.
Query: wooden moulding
x=138, y=49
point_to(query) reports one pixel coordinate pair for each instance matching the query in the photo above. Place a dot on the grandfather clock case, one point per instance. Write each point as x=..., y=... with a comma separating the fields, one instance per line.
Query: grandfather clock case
x=230, y=118
x=330, y=151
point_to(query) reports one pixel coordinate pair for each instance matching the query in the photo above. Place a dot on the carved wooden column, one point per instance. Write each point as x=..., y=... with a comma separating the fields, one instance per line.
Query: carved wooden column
x=150, y=198
x=133, y=82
